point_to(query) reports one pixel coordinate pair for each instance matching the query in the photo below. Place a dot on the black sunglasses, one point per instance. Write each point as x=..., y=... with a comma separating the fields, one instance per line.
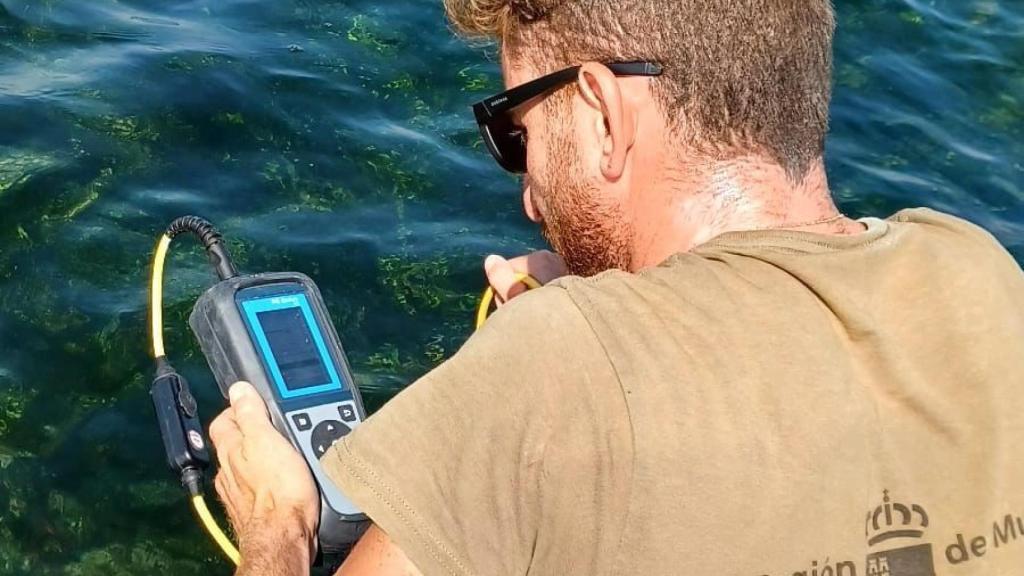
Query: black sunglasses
x=505, y=140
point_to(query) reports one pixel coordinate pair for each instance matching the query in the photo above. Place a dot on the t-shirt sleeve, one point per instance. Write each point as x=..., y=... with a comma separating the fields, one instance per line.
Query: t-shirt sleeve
x=451, y=469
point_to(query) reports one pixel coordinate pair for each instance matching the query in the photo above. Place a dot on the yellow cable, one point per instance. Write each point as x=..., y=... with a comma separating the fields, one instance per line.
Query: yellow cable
x=488, y=298
x=156, y=309
x=199, y=503
x=156, y=305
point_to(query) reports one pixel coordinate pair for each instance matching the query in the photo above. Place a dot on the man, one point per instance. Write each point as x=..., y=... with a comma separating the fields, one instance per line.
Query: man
x=737, y=379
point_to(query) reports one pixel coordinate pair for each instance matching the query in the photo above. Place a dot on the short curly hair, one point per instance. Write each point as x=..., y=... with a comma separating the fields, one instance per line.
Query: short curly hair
x=741, y=76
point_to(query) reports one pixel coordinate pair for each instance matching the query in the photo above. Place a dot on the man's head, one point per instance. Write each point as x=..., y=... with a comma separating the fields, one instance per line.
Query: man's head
x=742, y=79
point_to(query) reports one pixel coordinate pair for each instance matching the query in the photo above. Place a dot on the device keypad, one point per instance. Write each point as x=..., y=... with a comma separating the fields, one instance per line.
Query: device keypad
x=315, y=430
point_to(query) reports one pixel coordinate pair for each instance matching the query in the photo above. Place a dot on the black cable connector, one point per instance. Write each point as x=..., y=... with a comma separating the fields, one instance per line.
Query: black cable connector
x=192, y=480
x=212, y=242
x=177, y=413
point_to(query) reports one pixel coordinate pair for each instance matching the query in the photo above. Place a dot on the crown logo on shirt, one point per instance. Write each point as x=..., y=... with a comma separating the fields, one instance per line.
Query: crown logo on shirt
x=894, y=520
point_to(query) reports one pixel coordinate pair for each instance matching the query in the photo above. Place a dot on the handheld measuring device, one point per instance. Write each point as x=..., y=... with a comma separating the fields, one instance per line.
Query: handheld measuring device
x=273, y=331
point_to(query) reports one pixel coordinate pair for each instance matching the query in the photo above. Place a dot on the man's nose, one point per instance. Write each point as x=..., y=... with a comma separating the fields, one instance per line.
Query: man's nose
x=528, y=206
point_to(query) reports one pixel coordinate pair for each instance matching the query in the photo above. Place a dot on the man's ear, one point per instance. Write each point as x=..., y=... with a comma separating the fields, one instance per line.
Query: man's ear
x=614, y=125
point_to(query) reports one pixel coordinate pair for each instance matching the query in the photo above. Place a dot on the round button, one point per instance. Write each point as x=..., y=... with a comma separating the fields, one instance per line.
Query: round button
x=325, y=435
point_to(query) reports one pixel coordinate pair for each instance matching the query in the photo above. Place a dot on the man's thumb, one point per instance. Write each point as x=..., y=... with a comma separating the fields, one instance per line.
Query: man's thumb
x=502, y=277
x=493, y=262
x=246, y=401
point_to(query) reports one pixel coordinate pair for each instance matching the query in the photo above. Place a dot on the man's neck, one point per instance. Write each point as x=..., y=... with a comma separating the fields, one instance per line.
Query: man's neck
x=739, y=195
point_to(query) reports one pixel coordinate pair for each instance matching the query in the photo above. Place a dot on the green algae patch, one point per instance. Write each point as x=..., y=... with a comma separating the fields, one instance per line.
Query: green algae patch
x=393, y=167
x=408, y=362
x=983, y=11
x=78, y=199
x=230, y=119
x=474, y=81
x=13, y=401
x=911, y=17
x=403, y=83
x=9, y=455
x=854, y=76
x=131, y=560
x=366, y=33
x=17, y=167
x=1006, y=115
x=415, y=285
x=300, y=189
x=124, y=128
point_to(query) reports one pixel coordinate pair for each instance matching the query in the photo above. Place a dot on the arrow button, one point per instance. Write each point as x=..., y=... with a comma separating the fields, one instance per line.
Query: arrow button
x=326, y=434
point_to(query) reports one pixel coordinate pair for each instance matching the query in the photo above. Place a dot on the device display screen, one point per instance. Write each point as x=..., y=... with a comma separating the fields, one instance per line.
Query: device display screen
x=294, y=350
x=292, y=344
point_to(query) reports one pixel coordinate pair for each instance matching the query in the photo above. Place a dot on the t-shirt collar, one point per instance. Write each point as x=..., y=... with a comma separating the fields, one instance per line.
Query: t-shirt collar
x=796, y=240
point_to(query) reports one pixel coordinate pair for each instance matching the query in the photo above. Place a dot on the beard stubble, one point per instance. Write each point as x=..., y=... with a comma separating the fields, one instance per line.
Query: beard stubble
x=590, y=235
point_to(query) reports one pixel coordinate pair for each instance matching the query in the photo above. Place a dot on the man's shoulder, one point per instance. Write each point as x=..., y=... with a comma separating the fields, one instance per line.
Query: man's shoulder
x=545, y=312
x=478, y=436
x=955, y=241
x=638, y=299
x=941, y=224
x=540, y=333
x=619, y=285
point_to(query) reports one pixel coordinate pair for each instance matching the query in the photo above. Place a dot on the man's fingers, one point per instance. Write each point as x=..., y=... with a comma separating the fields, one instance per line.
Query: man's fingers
x=250, y=410
x=227, y=439
x=502, y=277
x=227, y=489
x=221, y=484
x=224, y=430
x=544, y=265
x=235, y=465
x=502, y=274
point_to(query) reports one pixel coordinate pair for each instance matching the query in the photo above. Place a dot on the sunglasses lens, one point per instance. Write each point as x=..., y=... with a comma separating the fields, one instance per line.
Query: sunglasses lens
x=507, y=144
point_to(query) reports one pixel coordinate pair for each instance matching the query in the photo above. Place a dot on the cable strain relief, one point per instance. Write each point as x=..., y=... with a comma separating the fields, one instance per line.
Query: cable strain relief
x=163, y=367
x=192, y=480
x=221, y=261
x=202, y=228
x=211, y=240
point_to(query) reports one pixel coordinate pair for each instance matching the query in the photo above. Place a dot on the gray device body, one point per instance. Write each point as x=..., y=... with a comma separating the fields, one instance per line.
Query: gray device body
x=273, y=331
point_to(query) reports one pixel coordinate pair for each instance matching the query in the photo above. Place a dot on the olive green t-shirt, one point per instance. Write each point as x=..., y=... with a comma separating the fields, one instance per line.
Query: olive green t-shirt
x=772, y=403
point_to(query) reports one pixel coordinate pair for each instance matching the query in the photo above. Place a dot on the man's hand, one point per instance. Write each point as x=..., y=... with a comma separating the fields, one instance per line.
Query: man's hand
x=544, y=265
x=267, y=488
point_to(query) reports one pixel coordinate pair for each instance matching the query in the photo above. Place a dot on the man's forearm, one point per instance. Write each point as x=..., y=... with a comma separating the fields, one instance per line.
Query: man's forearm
x=377, y=555
x=271, y=551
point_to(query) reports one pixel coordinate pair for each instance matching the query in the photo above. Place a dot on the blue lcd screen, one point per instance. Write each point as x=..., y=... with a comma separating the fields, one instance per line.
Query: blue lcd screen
x=291, y=344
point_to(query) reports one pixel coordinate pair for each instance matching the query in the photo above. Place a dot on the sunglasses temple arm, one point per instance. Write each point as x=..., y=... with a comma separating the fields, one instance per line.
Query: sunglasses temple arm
x=522, y=94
